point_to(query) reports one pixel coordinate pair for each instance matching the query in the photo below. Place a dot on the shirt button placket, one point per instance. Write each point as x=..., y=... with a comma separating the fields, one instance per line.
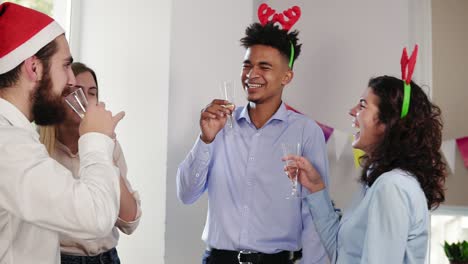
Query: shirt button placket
x=249, y=188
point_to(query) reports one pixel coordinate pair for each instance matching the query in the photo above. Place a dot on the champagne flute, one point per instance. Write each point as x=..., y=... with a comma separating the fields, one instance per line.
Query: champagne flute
x=228, y=93
x=292, y=169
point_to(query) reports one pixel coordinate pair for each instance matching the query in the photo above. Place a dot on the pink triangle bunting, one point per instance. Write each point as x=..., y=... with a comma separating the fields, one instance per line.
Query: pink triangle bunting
x=327, y=131
x=462, y=144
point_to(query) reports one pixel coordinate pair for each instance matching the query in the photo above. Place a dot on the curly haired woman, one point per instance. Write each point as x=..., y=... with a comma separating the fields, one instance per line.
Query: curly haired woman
x=61, y=142
x=403, y=177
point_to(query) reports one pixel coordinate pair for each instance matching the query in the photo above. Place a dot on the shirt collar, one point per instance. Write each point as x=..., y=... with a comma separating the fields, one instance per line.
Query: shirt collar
x=281, y=114
x=60, y=146
x=14, y=115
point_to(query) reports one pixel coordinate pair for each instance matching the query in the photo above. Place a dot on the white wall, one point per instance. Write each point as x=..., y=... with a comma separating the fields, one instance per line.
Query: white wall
x=344, y=43
x=204, y=51
x=450, y=39
x=128, y=44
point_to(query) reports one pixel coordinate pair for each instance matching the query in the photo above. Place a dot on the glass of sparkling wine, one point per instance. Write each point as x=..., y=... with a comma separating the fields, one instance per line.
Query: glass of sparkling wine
x=292, y=170
x=228, y=93
x=77, y=101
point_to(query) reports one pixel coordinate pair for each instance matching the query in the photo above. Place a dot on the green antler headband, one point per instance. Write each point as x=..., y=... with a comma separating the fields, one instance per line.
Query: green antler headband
x=267, y=14
x=407, y=69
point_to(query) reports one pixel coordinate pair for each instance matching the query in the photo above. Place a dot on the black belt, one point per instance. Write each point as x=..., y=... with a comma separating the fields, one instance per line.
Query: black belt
x=109, y=256
x=258, y=257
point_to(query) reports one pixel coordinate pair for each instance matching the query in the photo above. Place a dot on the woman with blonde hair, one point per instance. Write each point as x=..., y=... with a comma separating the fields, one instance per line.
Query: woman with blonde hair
x=62, y=143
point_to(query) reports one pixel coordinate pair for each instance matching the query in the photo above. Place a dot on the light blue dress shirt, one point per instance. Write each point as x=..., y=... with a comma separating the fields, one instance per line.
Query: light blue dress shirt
x=247, y=187
x=387, y=223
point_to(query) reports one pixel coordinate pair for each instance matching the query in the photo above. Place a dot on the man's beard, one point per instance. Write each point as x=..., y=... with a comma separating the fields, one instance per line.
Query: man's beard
x=48, y=109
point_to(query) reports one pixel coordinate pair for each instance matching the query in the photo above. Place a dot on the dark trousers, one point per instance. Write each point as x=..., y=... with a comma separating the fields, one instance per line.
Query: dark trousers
x=215, y=256
x=108, y=257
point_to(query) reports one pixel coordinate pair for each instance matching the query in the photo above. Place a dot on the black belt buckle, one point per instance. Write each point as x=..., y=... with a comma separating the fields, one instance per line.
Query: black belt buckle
x=244, y=252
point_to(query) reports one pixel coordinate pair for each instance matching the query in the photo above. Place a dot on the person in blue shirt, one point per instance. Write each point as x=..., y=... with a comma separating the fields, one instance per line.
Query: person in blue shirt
x=403, y=177
x=249, y=219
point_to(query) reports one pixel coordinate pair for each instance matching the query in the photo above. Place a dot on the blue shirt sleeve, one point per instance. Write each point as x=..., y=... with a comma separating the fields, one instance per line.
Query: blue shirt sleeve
x=192, y=173
x=315, y=151
x=326, y=220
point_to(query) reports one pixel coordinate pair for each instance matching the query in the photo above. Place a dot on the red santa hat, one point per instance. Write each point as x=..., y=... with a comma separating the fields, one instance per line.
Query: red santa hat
x=23, y=32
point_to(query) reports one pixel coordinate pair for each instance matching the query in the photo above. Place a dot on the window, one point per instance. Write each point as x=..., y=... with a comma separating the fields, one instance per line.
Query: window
x=45, y=6
x=448, y=223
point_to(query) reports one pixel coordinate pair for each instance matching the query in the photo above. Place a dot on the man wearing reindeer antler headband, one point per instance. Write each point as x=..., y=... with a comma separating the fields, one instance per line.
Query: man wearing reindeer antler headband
x=249, y=219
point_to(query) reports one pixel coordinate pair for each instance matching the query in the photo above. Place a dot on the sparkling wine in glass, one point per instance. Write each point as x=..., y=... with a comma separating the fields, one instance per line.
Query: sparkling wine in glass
x=228, y=93
x=292, y=170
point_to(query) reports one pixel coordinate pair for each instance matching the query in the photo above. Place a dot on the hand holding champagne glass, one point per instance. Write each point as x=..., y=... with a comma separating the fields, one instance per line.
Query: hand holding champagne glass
x=307, y=175
x=218, y=114
x=95, y=118
x=98, y=119
x=212, y=119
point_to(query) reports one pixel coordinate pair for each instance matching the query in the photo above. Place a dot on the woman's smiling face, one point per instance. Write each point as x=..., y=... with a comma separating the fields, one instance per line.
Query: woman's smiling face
x=366, y=118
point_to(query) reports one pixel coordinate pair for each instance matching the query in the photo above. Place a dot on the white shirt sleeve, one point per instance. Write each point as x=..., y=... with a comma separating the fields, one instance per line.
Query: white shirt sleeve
x=36, y=188
x=119, y=160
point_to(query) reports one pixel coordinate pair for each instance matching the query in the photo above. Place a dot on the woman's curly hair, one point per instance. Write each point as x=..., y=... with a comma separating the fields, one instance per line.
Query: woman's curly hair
x=411, y=143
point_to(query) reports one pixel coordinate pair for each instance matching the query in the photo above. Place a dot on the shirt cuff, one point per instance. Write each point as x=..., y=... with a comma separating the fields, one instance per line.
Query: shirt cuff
x=130, y=226
x=96, y=142
x=320, y=204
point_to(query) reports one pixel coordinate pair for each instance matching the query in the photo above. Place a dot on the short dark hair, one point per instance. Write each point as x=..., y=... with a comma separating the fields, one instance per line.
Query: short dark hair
x=44, y=54
x=411, y=143
x=271, y=35
x=10, y=77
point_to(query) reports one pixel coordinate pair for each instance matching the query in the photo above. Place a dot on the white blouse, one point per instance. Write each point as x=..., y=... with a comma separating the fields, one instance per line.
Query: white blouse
x=75, y=246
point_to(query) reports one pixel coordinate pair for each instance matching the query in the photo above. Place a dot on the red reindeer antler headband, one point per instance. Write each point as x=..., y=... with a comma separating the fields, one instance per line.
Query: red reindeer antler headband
x=268, y=15
x=407, y=69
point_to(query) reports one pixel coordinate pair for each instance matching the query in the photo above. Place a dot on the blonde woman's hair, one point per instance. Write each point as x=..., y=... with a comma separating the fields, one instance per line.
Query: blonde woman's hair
x=48, y=135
